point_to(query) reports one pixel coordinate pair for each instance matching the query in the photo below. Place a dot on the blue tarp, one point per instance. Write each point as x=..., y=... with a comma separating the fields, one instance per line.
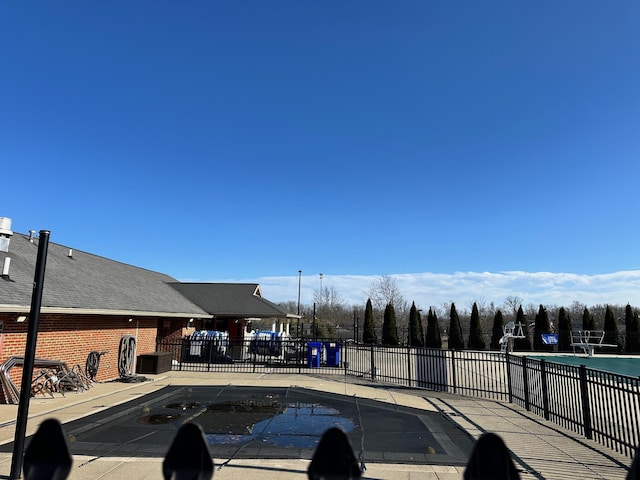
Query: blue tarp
x=264, y=342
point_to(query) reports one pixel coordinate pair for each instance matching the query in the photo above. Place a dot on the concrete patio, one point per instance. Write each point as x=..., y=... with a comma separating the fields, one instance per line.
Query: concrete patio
x=541, y=450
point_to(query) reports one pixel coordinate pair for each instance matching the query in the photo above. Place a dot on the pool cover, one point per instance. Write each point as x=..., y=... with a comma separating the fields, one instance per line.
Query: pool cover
x=257, y=422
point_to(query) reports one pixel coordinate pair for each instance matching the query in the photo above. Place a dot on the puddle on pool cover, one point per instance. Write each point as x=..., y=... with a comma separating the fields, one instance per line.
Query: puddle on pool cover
x=295, y=424
x=159, y=419
x=184, y=406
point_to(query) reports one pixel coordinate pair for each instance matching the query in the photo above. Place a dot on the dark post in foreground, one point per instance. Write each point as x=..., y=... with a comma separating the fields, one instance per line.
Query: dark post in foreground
x=29, y=356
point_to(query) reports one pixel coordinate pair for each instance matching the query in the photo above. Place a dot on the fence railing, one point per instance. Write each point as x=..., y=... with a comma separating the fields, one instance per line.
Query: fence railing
x=481, y=374
x=251, y=356
x=601, y=406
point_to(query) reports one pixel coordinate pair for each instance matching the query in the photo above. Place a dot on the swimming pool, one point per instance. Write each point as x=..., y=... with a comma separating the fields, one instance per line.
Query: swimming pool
x=629, y=366
x=268, y=423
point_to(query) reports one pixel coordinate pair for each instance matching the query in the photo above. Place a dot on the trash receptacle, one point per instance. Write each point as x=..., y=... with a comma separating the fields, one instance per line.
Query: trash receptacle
x=314, y=354
x=333, y=354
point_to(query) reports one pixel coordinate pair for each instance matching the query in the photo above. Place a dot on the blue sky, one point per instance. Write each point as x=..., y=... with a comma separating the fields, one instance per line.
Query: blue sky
x=249, y=140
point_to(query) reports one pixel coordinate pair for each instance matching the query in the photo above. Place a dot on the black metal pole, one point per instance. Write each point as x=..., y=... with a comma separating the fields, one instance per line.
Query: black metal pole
x=299, y=282
x=355, y=326
x=29, y=357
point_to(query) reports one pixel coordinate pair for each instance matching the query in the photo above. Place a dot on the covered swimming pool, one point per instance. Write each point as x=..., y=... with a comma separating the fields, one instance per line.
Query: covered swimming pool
x=268, y=423
x=621, y=365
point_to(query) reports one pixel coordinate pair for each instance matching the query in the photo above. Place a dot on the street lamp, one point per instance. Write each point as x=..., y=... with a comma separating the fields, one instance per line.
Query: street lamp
x=298, y=323
x=299, y=281
x=355, y=325
x=321, y=284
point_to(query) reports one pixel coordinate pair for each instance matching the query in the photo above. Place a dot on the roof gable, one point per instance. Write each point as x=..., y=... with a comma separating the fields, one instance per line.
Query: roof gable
x=242, y=300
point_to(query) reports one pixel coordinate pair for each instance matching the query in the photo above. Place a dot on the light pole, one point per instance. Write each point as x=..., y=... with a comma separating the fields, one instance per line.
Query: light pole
x=299, y=282
x=321, y=284
x=355, y=325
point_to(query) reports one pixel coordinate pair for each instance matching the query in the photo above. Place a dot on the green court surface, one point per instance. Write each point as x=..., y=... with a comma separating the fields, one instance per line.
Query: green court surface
x=629, y=366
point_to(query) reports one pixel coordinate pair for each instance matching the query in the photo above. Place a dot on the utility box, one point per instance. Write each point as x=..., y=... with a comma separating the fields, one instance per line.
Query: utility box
x=314, y=354
x=333, y=354
x=154, y=363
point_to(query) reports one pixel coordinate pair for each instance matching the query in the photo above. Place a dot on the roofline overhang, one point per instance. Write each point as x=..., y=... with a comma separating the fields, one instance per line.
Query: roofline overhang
x=89, y=311
x=254, y=316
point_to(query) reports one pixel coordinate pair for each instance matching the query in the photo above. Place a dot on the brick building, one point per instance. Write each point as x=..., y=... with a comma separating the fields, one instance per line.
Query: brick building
x=89, y=303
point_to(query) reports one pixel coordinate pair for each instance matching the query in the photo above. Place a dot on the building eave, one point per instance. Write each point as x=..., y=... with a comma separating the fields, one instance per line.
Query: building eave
x=90, y=311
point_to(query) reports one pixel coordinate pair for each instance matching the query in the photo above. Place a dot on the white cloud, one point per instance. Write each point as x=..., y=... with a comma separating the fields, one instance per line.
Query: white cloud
x=463, y=288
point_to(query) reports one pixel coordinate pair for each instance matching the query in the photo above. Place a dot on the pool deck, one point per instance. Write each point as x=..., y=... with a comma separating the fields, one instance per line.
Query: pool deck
x=541, y=450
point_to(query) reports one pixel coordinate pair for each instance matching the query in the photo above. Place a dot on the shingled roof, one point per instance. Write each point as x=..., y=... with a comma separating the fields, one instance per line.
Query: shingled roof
x=80, y=282
x=231, y=300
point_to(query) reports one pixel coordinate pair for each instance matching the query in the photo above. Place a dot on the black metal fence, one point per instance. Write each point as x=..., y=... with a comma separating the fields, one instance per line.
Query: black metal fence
x=599, y=405
x=480, y=374
x=255, y=355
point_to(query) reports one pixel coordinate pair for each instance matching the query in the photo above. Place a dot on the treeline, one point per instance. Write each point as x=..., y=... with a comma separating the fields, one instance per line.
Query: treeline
x=480, y=328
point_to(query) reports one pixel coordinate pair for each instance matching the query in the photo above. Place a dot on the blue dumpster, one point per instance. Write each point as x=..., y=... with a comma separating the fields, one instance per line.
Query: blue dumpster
x=333, y=354
x=314, y=354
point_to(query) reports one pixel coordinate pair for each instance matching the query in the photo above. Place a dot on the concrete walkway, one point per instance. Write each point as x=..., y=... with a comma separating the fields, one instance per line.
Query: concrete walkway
x=540, y=449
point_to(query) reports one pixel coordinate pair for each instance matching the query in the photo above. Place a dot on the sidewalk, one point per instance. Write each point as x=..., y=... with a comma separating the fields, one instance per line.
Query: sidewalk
x=541, y=450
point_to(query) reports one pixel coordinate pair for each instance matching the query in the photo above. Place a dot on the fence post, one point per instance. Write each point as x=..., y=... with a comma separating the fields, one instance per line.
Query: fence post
x=255, y=360
x=584, y=395
x=345, y=357
x=409, y=365
x=373, y=364
x=545, y=388
x=453, y=371
x=525, y=384
x=509, y=383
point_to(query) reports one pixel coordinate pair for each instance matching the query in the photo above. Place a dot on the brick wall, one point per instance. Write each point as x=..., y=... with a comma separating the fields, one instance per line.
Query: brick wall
x=70, y=338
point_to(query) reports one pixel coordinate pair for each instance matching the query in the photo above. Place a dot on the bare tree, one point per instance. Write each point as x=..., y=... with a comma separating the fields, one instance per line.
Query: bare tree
x=484, y=309
x=443, y=310
x=384, y=291
x=512, y=303
x=531, y=311
x=576, y=309
x=289, y=306
x=329, y=305
x=597, y=312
